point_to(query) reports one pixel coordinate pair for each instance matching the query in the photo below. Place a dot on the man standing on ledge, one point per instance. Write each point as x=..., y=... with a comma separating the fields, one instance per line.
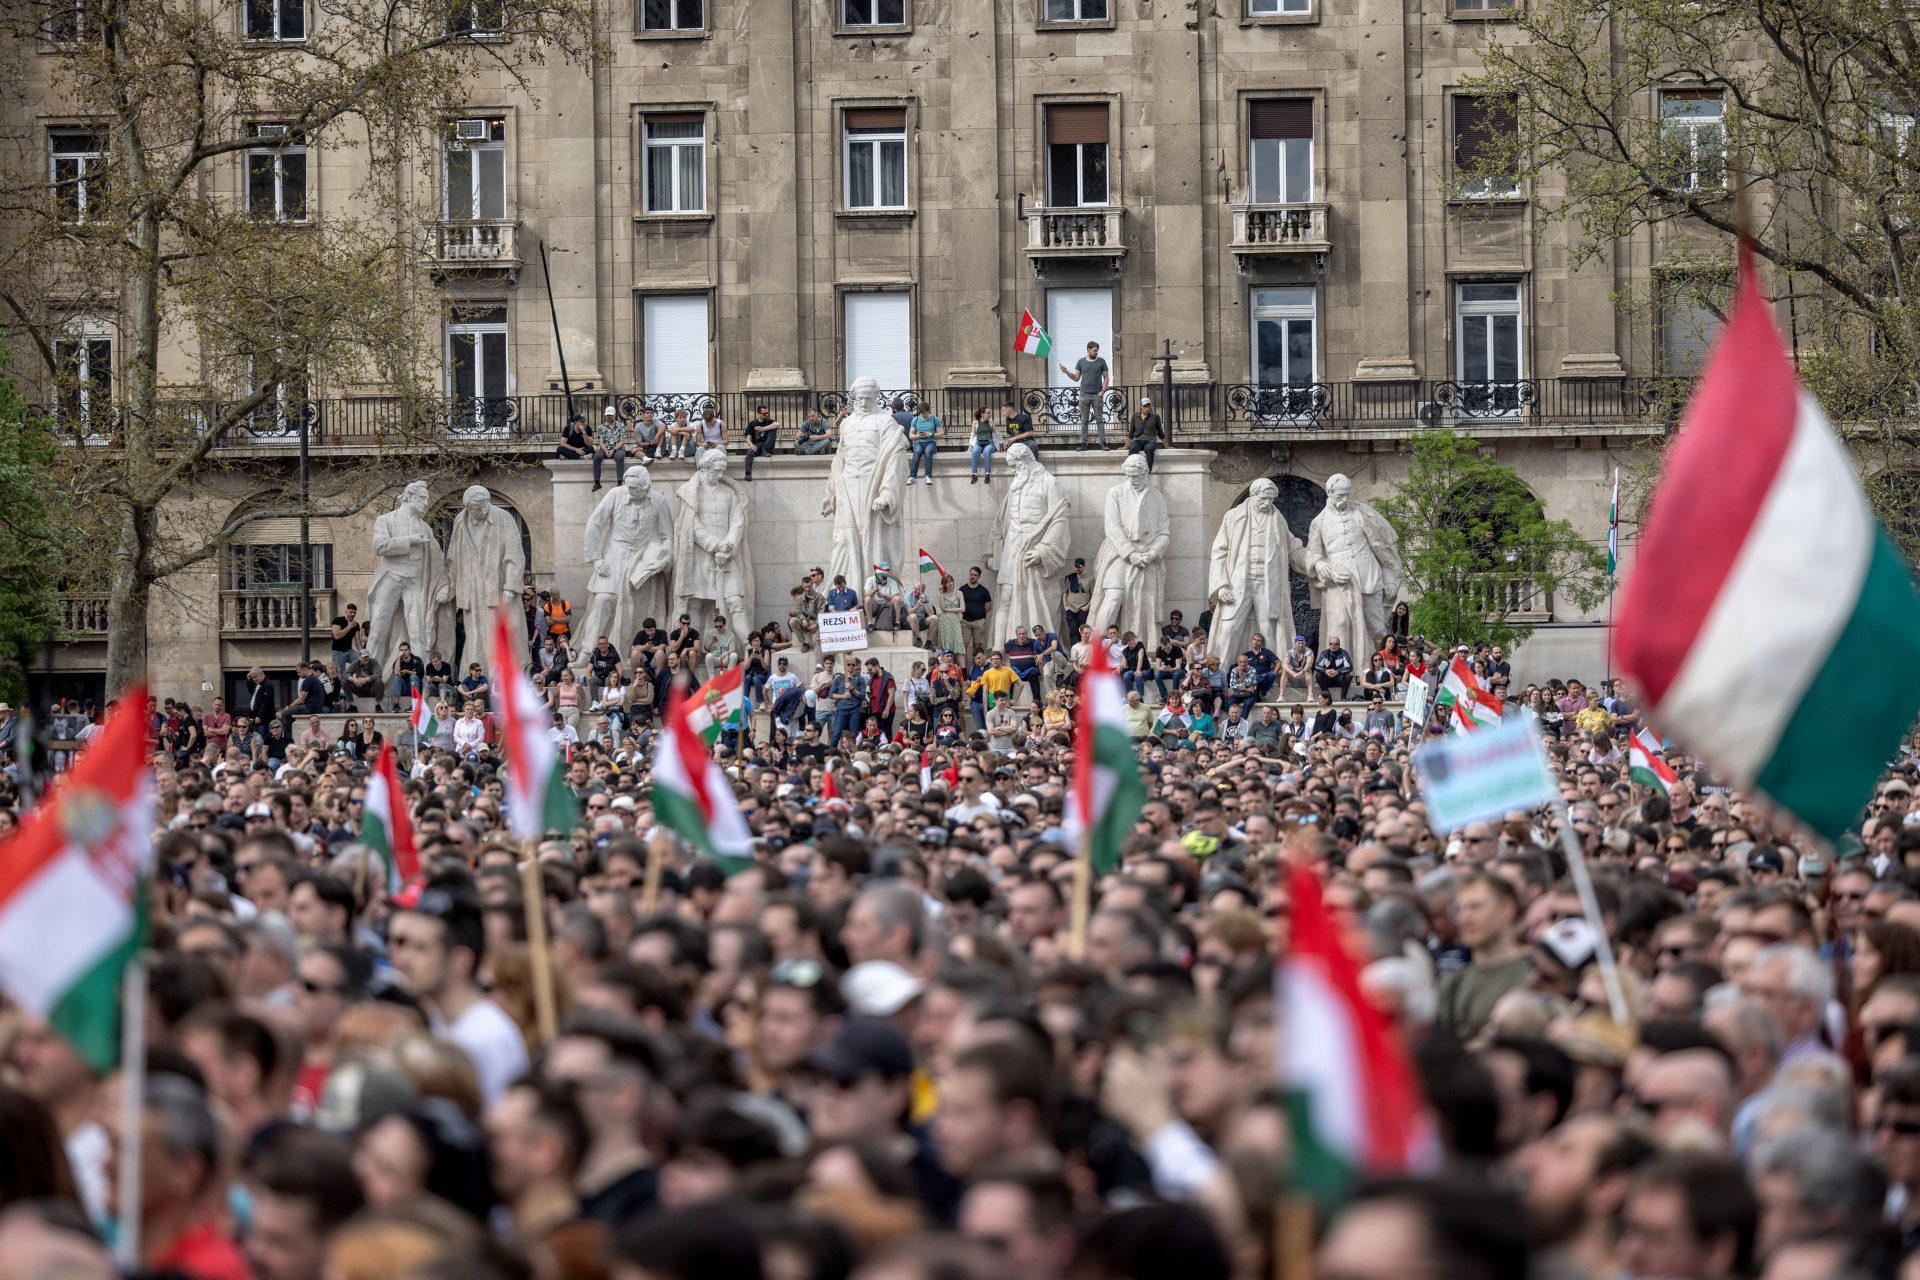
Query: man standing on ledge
x=1091, y=371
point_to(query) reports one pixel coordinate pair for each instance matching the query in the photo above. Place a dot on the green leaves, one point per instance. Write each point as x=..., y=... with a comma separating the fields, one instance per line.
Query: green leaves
x=33, y=543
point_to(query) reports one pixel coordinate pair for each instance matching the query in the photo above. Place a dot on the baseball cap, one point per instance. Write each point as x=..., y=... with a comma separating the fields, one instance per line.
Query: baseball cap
x=624, y=802
x=259, y=809
x=879, y=988
x=864, y=1047
x=609, y=412
x=933, y=835
x=1146, y=399
x=1766, y=860
x=1570, y=943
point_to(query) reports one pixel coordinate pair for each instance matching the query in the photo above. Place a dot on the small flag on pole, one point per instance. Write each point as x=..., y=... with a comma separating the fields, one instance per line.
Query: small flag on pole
x=929, y=567
x=1463, y=702
x=926, y=773
x=691, y=795
x=1613, y=527
x=1031, y=340
x=425, y=727
x=1645, y=765
x=829, y=789
x=538, y=799
x=716, y=705
x=1106, y=794
x=384, y=825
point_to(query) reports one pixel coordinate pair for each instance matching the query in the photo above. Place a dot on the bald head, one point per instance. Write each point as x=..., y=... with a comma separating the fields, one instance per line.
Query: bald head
x=1688, y=1085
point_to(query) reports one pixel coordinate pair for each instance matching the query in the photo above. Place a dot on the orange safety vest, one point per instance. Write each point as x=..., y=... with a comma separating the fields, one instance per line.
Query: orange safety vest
x=558, y=611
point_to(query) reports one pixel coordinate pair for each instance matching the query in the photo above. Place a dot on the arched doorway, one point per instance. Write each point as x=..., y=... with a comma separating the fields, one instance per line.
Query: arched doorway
x=1484, y=515
x=1299, y=500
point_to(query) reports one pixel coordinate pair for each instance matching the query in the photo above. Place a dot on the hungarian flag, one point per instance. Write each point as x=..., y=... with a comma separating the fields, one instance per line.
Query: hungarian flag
x=926, y=773
x=1645, y=766
x=1764, y=590
x=1107, y=793
x=384, y=825
x=425, y=727
x=829, y=789
x=716, y=705
x=1613, y=527
x=73, y=887
x=1463, y=701
x=1352, y=1098
x=929, y=567
x=691, y=795
x=1031, y=340
x=538, y=800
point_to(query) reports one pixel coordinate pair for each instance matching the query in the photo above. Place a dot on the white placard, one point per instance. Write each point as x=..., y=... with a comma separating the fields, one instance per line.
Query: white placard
x=840, y=632
x=1482, y=774
x=1416, y=708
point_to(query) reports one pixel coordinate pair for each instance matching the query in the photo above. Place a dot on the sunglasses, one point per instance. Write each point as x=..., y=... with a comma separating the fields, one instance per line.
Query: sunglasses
x=313, y=988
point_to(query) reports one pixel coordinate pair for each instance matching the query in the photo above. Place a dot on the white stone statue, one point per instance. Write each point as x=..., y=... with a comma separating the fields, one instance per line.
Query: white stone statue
x=863, y=488
x=1353, y=563
x=408, y=573
x=711, y=569
x=1130, y=573
x=486, y=568
x=1031, y=546
x=629, y=548
x=1248, y=577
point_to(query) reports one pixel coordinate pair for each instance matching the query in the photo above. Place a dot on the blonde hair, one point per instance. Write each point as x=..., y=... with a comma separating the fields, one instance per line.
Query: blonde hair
x=402, y=1240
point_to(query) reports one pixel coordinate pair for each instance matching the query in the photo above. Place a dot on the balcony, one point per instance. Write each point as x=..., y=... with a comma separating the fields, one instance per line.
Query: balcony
x=475, y=249
x=83, y=615
x=1511, y=597
x=273, y=611
x=1089, y=233
x=1265, y=232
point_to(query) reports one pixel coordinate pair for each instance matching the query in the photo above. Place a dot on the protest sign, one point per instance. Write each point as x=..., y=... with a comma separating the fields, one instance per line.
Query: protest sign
x=840, y=632
x=1483, y=774
x=1416, y=708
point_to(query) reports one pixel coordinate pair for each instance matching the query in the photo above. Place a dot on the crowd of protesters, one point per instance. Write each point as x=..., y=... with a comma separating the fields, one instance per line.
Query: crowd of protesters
x=880, y=1051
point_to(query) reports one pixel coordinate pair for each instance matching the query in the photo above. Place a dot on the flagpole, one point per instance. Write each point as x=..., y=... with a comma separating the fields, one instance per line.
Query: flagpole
x=133, y=1108
x=1082, y=890
x=656, y=862
x=1583, y=885
x=533, y=889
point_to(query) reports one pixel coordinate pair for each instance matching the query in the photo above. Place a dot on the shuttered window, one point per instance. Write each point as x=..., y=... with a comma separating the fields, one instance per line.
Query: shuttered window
x=1077, y=122
x=879, y=339
x=1483, y=128
x=1280, y=118
x=1280, y=150
x=674, y=343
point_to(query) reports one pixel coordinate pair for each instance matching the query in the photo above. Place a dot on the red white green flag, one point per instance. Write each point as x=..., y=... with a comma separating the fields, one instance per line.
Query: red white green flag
x=384, y=826
x=1352, y=1097
x=929, y=567
x=538, y=800
x=1031, y=339
x=1107, y=793
x=1645, y=765
x=1464, y=703
x=926, y=773
x=716, y=705
x=425, y=726
x=73, y=887
x=691, y=794
x=1764, y=589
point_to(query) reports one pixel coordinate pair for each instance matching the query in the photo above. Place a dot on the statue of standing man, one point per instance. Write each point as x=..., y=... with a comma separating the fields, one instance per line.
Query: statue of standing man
x=629, y=545
x=711, y=571
x=408, y=574
x=1032, y=545
x=486, y=567
x=1249, y=578
x=1353, y=562
x=1130, y=574
x=863, y=488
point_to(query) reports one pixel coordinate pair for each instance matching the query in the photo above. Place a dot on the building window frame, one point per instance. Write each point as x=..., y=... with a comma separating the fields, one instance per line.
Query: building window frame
x=1272, y=123
x=1463, y=139
x=903, y=288
x=1677, y=291
x=665, y=399
x=878, y=130
x=265, y=566
x=1483, y=312
x=1056, y=169
x=679, y=153
x=282, y=159
x=1482, y=10
x=477, y=323
x=76, y=170
x=478, y=174
x=671, y=19
x=83, y=391
x=65, y=24
x=1276, y=13
x=274, y=21
x=871, y=17
x=1701, y=137
x=1074, y=15
x=1287, y=313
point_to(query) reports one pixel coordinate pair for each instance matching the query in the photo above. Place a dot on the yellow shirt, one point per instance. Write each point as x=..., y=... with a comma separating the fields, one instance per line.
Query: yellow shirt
x=999, y=681
x=1594, y=720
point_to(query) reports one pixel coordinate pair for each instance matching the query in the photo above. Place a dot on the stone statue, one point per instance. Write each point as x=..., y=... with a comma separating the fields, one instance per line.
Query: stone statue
x=486, y=568
x=408, y=575
x=629, y=546
x=1031, y=546
x=1130, y=573
x=863, y=488
x=1353, y=563
x=1249, y=576
x=711, y=570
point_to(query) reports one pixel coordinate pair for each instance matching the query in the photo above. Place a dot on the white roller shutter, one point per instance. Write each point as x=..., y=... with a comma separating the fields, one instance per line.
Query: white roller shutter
x=674, y=332
x=879, y=329
x=1076, y=317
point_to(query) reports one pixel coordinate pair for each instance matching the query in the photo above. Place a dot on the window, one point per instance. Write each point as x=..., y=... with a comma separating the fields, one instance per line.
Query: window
x=288, y=397
x=1074, y=10
x=66, y=22
x=277, y=175
x=673, y=336
x=477, y=17
x=1693, y=135
x=673, y=15
x=477, y=376
x=1691, y=307
x=876, y=158
x=1077, y=154
x=1488, y=316
x=874, y=13
x=1485, y=130
x=879, y=339
x=1490, y=7
x=1278, y=8
x=476, y=159
x=1281, y=133
x=676, y=163
x=276, y=19
x=76, y=167
x=260, y=566
x=83, y=360
x=1076, y=317
x=1284, y=353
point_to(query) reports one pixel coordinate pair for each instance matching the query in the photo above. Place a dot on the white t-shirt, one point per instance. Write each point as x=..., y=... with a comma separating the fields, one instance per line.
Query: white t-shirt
x=495, y=1044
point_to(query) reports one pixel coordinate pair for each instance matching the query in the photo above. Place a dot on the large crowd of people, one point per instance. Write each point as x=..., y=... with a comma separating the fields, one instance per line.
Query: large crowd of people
x=881, y=1050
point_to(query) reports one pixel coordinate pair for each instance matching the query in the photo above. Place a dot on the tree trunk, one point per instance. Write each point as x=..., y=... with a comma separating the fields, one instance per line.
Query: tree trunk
x=130, y=592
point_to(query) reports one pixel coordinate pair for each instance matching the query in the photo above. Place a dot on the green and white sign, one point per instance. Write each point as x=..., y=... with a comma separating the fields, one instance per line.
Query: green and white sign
x=1418, y=695
x=1483, y=774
